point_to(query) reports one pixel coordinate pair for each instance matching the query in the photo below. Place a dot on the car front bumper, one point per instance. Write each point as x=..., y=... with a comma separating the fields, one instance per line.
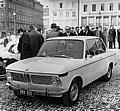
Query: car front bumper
x=41, y=91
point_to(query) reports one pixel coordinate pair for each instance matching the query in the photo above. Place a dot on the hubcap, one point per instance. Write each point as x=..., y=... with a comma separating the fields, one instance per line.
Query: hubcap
x=109, y=73
x=74, y=92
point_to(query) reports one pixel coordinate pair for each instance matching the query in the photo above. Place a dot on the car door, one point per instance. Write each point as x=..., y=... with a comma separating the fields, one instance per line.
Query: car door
x=93, y=65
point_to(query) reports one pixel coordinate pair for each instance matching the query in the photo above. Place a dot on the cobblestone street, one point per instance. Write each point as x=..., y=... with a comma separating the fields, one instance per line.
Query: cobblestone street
x=98, y=96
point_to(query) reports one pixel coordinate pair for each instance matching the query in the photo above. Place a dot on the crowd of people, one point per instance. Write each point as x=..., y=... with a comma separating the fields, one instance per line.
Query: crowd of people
x=30, y=41
x=110, y=36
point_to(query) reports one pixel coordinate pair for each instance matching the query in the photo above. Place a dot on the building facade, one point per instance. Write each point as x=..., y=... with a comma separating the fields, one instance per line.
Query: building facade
x=84, y=12
x=20, y=14
x=103, y=13
x=64, y=12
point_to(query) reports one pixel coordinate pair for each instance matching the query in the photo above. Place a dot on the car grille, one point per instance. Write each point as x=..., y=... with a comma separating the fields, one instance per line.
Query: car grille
x=18, y=76
x=39, y=79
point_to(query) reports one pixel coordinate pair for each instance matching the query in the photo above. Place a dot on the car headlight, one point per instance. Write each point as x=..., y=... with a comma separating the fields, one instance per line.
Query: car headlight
x=8, y=76
x=56, y=81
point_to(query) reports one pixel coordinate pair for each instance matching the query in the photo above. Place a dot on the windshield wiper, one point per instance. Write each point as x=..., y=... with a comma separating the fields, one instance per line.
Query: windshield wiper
x=63, y=56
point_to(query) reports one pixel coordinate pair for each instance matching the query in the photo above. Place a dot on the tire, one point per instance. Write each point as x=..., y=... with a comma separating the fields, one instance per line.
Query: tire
x=108, y=75
x=72, y=95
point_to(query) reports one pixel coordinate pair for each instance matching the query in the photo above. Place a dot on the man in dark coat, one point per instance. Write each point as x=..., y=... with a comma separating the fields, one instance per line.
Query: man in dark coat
x=114, y=37
x=24, y=45
x=111, y=37
x=39, y=32
x=36, y=41
x=118, y=35
x=88, y=32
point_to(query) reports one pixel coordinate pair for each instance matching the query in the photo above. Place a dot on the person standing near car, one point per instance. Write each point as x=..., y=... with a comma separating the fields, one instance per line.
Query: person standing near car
x=5, y=40
x=53, y=32
x=41, y=36
x=118, y=37
x=111, y=37
x=36, y=41
x=24, y=45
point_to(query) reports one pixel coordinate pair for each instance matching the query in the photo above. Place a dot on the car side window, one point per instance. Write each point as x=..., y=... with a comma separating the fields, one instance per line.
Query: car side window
x=91, y=47
x=100, y=47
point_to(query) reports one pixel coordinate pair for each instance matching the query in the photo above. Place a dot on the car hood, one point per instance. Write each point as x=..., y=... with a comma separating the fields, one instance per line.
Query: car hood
x=46, y=65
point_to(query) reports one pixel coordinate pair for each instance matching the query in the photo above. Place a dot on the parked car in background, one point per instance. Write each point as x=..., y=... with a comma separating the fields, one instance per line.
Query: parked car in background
x=63, y=66
x=8, y=55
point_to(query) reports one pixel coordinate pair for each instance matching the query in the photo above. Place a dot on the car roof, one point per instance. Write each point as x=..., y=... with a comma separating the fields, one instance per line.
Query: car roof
x=73, y=37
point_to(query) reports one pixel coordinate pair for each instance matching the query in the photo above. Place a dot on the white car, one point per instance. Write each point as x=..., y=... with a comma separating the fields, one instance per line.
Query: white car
x=10, y=53
x=62, y=67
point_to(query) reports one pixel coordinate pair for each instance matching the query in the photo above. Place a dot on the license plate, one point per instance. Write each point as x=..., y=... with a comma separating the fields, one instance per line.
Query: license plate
x=25, y=92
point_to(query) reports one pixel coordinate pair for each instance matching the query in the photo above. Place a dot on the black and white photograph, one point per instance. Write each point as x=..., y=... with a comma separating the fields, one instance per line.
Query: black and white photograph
x=59, y=55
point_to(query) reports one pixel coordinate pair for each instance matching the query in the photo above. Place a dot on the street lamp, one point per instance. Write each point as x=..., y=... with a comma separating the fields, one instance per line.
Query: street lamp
x=14, y=15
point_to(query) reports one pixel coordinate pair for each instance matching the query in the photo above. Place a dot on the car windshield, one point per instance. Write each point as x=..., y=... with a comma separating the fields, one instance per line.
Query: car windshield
x=62, y=48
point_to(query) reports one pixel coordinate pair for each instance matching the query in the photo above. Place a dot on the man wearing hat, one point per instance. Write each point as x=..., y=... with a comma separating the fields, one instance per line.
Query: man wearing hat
x=53, y=32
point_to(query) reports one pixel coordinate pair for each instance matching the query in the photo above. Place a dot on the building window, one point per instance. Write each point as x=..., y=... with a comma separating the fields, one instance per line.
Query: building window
x=67, y=14
x=93, y=7
x=73, y=4
x=111, y=6
x=73, y=14
x=102, y=7
x=98, y=21
x=54, y=13
x=61, y=14
x=106, y=20
x=1, y=4
x=113, y=20
x=118, y=6
x=91, y=21
x=61, y=5
x=84, y=21
x=85, y=8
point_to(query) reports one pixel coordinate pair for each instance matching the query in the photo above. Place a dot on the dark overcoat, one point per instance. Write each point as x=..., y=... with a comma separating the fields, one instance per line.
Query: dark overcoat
x=24, y=46
x=36, y=42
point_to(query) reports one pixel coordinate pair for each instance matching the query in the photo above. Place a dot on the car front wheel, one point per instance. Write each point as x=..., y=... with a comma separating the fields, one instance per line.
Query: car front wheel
x=108, y=75
x=71, y=97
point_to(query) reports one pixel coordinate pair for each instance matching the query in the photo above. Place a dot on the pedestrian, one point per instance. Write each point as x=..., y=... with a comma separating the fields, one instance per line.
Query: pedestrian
x=53, y=32
x=41, y=36
x=88, y=32
x=5, y=40
x=81, y=32
x=36, y=41
x=60, y=31
x=24, y=45
x=105, y=36
x=99, y=33
x=118, y=38
x=69, y=32
x=110, y=37
x=114, y=37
